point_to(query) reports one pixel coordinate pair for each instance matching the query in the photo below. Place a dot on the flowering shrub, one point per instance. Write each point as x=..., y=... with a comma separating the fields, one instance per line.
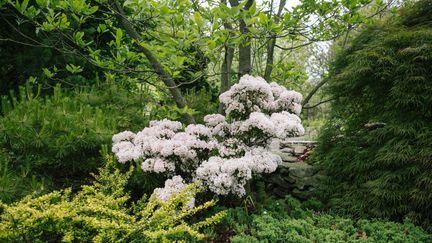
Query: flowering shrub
x=227, y=151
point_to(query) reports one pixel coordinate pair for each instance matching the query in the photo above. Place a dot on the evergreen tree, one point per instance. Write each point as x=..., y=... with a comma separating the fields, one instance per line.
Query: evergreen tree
x=376, y=147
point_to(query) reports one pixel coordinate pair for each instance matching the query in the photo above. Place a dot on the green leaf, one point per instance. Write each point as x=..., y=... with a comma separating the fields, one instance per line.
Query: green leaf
x=215, y=26
x=118, y=36
x=164, y=10
x=101, y=28
x=48, y=73
x=198, y=19
x=21, y=7
x=211, y=44
x=73, y=69
x=92, y=10
x=252, y=9
x=263, y=17
x=78, y=38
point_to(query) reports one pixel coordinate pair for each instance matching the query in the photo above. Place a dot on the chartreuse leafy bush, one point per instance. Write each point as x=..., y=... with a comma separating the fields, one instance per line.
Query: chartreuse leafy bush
x=103, y=212
x=288, y=220
x=377, y=145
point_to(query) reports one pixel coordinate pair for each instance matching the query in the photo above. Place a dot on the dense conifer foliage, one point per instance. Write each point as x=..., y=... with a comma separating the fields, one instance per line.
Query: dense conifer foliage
x=289, y=220
x=56, y=140
x=376, y=147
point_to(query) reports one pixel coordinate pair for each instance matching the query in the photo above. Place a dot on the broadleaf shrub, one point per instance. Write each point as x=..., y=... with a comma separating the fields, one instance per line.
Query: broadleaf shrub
x=376, y=147
x=227, y=151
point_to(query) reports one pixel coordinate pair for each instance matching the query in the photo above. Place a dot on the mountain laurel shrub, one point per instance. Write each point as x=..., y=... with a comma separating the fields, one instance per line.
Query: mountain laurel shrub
x=103, y=212
x=226, y=152
x=377, y=145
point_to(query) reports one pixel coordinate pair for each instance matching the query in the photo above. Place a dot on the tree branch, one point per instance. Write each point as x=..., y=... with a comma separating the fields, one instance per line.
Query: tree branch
x=317, y=104
x=154, y=62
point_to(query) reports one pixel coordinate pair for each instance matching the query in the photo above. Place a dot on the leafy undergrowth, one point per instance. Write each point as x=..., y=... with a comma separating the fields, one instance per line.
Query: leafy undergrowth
x=288, y=220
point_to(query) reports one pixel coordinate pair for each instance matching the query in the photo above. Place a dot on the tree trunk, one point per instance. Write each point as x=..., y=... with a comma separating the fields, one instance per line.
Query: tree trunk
x=226, y=66
x=154, y=62
x=226, y=73
x=245, y=63
x=271, y=45
x=269, y=62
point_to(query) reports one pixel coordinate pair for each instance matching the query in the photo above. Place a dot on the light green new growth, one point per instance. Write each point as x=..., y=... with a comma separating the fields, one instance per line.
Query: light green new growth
x=101, y=213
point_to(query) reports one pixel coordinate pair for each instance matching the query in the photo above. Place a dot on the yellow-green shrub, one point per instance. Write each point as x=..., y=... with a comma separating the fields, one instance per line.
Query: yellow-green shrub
x=102, y=212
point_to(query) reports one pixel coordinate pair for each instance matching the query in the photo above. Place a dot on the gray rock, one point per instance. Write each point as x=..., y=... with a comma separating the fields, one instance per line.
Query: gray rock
x=299, y=149
x=281, y=170
x=280, y=182
x=303, y=194
x=287, y=157
x=300, y=169
x=308, y=181
x=287, y=150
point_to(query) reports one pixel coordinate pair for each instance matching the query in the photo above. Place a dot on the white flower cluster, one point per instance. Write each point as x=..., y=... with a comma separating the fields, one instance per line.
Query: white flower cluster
x=254, y=94
x=173, y=186
x=225, y=176
x=225, y=152
x=163, y=147
x=279, y=125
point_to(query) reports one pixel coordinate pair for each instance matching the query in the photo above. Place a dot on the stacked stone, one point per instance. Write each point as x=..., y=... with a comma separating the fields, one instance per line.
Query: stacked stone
x=295, y=176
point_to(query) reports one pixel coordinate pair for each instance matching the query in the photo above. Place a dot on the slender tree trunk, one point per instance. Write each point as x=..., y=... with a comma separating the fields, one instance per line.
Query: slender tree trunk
x=226, y=66
x=226, y=73
x=154, y=62
x=269, y=62
x=271, y=45
x=245, y=63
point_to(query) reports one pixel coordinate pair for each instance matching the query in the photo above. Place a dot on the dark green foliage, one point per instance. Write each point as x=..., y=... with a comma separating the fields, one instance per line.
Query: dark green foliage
x=58, y=138
x=382, y=170
x=127, y=107
x=19, y=182
x=287, y=220
x=203, y=102
x=25, y=53
x=418, y=14
x=56, y=135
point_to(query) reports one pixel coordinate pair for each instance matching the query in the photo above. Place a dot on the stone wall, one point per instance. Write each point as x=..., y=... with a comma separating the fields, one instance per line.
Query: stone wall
x=294, y=176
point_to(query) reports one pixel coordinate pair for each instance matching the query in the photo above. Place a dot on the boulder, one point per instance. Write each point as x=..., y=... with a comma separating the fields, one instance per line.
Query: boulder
x=299, y=169
x=287, y=157
x=299, y=149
